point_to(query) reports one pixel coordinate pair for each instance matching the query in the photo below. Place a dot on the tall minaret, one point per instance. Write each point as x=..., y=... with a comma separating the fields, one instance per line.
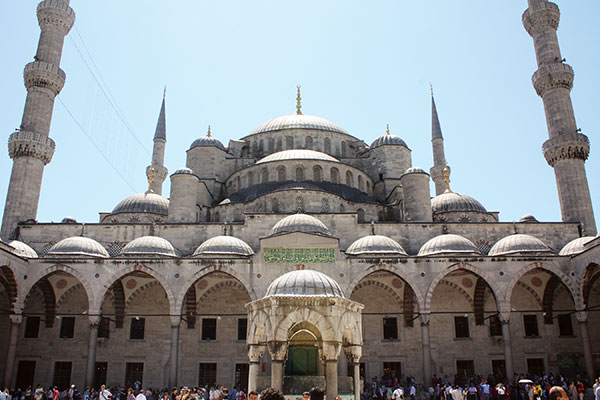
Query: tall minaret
x=156, y=172
x=439, y=159
x=567, y=149
x=30, y=147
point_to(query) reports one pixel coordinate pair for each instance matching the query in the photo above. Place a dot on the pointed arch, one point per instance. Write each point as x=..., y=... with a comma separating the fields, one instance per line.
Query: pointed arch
x=590, y=276
x=548, y=298
x=7, y=279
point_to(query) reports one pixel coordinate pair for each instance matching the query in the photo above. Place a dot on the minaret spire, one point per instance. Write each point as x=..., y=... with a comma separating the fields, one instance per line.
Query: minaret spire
x=437, y=143
x=30, y=146
x=298, y=102
x=156, y=172
x=567, y=149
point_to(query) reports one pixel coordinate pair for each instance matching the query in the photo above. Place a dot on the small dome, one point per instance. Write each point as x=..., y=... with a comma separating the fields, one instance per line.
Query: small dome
x=375, y=245
x=69, y=220
x=22, y=249
x=415, y=170
x=298, y=121
x=224, y=245
x=575, y=246
x=519, y=244
x=388, y=139
x=149, y=246
x=143, y=203
x=207, y=141
x=184, y=170
x=304, y=283
x=448, y=244
x=78, y=246
x=448, y=202
x=528, y=218
x=297, y=154
x=300, y=223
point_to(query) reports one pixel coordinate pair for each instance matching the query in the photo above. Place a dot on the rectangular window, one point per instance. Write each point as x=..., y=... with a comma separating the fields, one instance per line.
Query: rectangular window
x=67, y=327
x=241, y=375
x=134, y=373
x=392, y=370
x=62, y=375
x=32, y=327
x=495, y=326
x=207, y=374
x=465, y=368
x=100, y=374
x=531, y=326
x=461, y=327
x=565, y=325
x=242, y=328
x=104, y=328
x=138, y=326
x=209, y=329
x=499, y=368
x=390, y=329
x=535, y=366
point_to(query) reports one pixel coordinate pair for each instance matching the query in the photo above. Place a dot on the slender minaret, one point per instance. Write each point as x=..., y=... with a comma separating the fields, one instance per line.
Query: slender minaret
x=567, y=149
x=156, y=172
x=437, y=142
x=30, y=147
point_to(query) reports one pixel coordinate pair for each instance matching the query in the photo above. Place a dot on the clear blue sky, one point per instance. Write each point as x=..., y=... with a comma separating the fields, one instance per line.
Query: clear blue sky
x=235, y=65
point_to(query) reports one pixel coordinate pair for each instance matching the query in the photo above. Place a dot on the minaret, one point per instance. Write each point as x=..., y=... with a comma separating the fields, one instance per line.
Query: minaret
x=567, y=149
x=30, y=147
x=159, y=174
x=437, y=142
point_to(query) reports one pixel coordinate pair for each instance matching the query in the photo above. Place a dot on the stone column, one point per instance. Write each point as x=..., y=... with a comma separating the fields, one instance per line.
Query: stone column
x=508, y=358
x=582, y=318
x=356, y=377
x=174, y=351
x=255, y=354
x=426, y=348
x=331, y=378
x=91, y=354
x=9, y=365
x=278, y=350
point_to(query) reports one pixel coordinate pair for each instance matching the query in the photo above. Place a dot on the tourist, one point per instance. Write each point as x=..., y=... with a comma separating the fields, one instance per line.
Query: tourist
x=557, y=393
x=141, y=396
x=398, y=393
x=317, y=393
x=272, y=394
x=253, y=395
x=5, y=394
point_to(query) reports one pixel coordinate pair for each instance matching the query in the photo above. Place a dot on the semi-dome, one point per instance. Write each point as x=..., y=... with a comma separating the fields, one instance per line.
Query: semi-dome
x=143, y=203
x=224, y=245
x=297, y=154
x=519, y=244
x=450, y=201
x=21, y=249
x=575, y=246
x=149, y=246
x=375, y=245
x=78, y=246
x=207, y=141
x=298, y=121
x=300, y=223
x=448, y=244
x=304, y=283
x=388, y=139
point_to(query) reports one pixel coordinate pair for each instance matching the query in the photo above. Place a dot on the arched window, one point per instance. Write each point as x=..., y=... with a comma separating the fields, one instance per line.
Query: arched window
x=238, y=183
x=281, y=174
x=275, y=205
x=264, y=175
x=198, y=213
x=299, y=204
x=335, y=175
x=245, y=152
x=324, y=205
x=299, y=174
x=342, y=208
x=279, y=144
x=250, y=178
x=349, y=179
x=361, y=183
x=317, y=173
x=261, y=145
x=308, y=142
x=271, y=145
x=327, y=145
x=344, y=149
x=361, y=215
x=289, y=142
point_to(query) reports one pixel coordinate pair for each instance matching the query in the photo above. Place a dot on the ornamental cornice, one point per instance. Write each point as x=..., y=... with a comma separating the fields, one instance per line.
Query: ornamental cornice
x=30, y=144
x=551, y=76
x=541, y=16
x=56, y=13
x=41, y=74
x=575, y=146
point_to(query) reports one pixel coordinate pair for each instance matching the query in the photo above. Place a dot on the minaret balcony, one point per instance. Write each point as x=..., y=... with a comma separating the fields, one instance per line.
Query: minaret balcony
x=544, y=15
x=550, y=76
x=56, y=13
x=44, y=75
x=31, y=144
x=566, y=146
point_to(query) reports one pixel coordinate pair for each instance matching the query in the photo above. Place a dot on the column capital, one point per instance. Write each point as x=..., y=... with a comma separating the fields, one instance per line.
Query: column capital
x=256, y=352
x=16, y=319
x=278, y=350
x=353, y=353
x=175, y=320
x=504, y=317
x=425, y=319
x=94, y=320
x=582, y=316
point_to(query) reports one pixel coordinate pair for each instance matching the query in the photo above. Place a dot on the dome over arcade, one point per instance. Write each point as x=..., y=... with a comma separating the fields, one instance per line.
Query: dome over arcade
x=450, y=202
x=298, y=121
x=297, y=154
x=143, y=203
x=78, y=246
x=375, y=245
x=519, y=244
x=21, y=249
x=388, y=140
x=304, y=283
x=300, y=223
x=224, y=245
x=149, y=246
x=575, y=246
x=448, y=244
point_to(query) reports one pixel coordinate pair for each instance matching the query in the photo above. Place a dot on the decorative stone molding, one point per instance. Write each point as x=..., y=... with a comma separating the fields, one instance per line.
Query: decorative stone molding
x=30, y=144
x=41, y=74
x=56, y=13
x=566, y=147
x=353, y=353
x=541, y=16
x=552, y=76
x=278, y=350
x=255, y=353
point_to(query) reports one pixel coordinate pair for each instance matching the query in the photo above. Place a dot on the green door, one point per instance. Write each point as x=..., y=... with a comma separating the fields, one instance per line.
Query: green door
x=302, y=360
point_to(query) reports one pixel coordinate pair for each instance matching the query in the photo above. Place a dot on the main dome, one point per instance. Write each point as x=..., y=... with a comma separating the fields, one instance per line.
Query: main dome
x=304, y=283
x=298, y=121
x=297, y=154
x=78, y=246
x=300, y=223
x=375, y=245
x=143, y=203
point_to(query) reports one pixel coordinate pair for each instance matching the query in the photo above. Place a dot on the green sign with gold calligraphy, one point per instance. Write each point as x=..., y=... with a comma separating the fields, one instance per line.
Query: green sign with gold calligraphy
x=299, y=256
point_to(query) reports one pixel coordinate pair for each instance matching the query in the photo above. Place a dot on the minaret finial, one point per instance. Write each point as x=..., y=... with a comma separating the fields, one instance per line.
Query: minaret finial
x=151, y=171
x=446, y=173
x=387, y=129
x=208, y=133
x=298, y=102
x=431, y=89
x=165, y=93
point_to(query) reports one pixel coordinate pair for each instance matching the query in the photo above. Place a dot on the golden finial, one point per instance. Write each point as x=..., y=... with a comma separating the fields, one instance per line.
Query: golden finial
x=298, y=102
x=151, y=171
x=446, y=173
x=165, y=92
x=208, y=133
x=387, y=129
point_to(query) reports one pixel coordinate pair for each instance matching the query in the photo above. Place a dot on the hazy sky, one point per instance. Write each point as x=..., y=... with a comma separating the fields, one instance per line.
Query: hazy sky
x=361, y=64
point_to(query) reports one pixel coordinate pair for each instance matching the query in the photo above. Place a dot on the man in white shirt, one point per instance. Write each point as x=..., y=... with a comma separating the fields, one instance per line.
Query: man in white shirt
x=5, y=394
x=104, y=394
x=140, y=396
x=398, y=394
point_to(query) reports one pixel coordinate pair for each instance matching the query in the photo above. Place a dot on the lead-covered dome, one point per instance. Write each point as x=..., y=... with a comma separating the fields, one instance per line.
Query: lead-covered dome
x=298, y=121
x=297, y=154
x=304, y=283
x=149, y=246
x=575, y=246
x=388, y=140
x=78, y=246
x=375, y=245
x=300, y=223
x=21, y=249
x=448, y=244
x=208, y=141
x=519, y=244
x=450, y=202
x=224, y=245
x=143, y=203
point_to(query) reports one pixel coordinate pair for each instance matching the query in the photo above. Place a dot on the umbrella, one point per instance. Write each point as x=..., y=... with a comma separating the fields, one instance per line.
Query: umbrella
x=525, y=381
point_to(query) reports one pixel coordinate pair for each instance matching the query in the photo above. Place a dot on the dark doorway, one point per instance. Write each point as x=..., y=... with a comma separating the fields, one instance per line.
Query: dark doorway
x=25, y=374
x=100, y=374
x=499, y=368
x=241, y=376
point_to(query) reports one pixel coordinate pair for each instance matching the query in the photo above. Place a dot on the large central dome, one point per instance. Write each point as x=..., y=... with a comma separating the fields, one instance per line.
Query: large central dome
x=298, y=121
x=297, y=154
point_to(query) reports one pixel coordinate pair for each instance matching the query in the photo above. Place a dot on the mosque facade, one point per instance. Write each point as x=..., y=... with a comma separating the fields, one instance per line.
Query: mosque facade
x=296, y=254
